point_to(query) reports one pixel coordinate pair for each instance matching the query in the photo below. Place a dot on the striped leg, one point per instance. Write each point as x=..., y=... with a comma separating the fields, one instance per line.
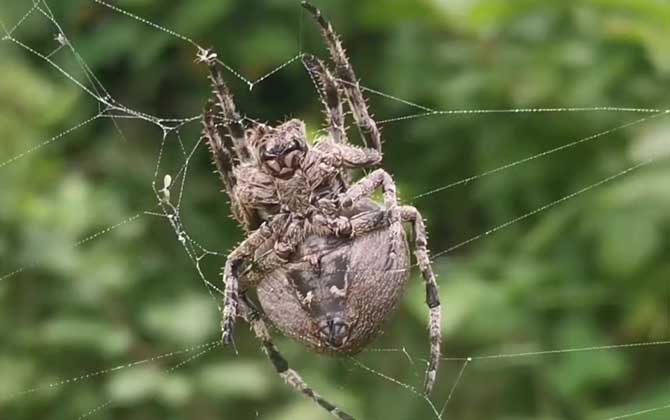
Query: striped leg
x=327, y=87
x=228, y=148
x=290, y=376
x=367, y=222
x=231, y=276
x=232, y=120
x=365, y=187
x=412, y=215
x=345, y=73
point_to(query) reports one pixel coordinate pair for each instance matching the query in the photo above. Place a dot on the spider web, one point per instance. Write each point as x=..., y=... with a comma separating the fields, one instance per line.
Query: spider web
x=176, y=157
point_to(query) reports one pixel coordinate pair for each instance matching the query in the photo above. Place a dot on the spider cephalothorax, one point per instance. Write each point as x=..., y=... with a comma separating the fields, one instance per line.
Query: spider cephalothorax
x=281, y=150
x=329, y=264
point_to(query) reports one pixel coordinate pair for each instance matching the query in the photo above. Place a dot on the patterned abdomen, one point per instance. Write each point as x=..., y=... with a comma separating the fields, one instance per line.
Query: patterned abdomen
x=337, y=302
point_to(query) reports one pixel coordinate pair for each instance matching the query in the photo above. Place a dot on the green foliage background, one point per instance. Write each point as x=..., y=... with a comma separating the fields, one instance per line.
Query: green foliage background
x=591, y=271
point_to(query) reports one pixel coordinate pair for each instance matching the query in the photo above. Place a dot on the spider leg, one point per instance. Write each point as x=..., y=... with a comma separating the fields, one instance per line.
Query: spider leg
x=286, y=232
x=391, y=216
x=345, y=73
x=412, y=215
x=290, y=376
x=231, y=118
x=228, y=149
x=367, y=185
x=232, y=273
x=289, y=239
x=370, y=221
x=222, y=157
x=328, y=91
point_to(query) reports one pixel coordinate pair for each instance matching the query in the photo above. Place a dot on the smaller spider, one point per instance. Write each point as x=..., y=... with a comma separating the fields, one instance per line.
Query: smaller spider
x=328, y=263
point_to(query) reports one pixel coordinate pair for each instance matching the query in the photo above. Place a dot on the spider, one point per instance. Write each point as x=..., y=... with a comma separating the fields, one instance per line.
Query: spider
x=328, y=263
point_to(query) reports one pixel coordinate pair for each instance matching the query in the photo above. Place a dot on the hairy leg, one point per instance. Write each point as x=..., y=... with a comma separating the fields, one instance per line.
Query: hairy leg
x=370, y=221
x=365, y=187
x=224, y=160
x=289, y=238
x=290, y=376
x=345, y=73
x=411, y=214
x=231, y=118
x=330, y=96
x=232, y=273
x=228, y=148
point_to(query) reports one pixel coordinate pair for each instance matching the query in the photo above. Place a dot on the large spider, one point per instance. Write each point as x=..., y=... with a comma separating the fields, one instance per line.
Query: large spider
x=328, y=264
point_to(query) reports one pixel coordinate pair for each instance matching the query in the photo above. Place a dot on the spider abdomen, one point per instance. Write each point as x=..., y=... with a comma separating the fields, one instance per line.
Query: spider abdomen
x=337, y=293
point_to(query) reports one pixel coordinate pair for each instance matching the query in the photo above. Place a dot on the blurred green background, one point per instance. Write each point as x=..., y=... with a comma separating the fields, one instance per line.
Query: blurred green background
x=592, y=271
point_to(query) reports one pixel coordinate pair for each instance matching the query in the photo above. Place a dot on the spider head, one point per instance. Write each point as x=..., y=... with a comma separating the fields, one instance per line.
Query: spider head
x=281, y=149
x=334, y=331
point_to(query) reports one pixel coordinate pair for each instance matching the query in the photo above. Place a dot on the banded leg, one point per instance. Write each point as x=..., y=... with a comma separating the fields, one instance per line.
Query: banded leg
x=231, y=118
x=290, y=376
x=224, y=161
x=344, y=72
x=330, y=96
x=226, y=155
x=365, y=187
x=370, y=221
x=232, y=274
x=412, y=215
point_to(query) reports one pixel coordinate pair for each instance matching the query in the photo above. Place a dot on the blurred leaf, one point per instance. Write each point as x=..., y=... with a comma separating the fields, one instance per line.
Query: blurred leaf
x=188, y=319
x=238, y=379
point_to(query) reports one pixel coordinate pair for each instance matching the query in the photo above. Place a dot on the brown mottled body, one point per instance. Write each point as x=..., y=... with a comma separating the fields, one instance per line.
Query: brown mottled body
x=345, y=286
x=318, y=176
x=329, y=264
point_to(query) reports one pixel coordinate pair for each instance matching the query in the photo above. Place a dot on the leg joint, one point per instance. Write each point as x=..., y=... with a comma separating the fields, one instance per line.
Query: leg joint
x=277, y=360
x=432, y=296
